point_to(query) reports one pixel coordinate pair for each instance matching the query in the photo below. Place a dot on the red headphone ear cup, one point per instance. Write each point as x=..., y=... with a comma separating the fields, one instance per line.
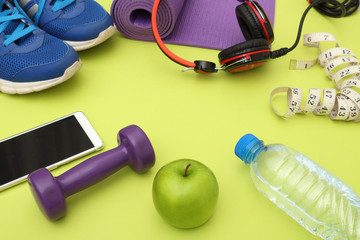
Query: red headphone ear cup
x=254, y=22
x=245, y=56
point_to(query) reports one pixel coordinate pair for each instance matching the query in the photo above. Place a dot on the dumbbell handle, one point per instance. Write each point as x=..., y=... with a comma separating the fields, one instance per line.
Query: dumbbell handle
x=93, y=170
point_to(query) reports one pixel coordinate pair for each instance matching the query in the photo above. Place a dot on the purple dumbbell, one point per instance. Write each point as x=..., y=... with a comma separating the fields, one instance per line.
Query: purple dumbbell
x=50, y=192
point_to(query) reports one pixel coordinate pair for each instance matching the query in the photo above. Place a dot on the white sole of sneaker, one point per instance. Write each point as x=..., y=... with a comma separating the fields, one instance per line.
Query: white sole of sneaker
x=82, y=45
x=29, y=87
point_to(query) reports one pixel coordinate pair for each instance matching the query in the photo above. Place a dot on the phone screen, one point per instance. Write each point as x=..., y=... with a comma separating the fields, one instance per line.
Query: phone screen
x=41, y=147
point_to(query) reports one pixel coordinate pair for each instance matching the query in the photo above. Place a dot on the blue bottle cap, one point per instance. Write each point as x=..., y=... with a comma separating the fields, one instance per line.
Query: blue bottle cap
x=244, y=144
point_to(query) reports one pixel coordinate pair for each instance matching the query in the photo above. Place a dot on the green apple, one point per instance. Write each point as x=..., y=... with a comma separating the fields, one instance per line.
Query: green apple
x=185, y=193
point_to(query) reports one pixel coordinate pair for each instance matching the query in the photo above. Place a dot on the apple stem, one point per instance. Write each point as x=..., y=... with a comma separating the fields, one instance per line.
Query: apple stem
x=186, y=169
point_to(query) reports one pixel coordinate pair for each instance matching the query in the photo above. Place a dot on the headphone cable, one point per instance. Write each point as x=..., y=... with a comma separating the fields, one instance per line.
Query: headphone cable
x=331, y=8
x=333, y=11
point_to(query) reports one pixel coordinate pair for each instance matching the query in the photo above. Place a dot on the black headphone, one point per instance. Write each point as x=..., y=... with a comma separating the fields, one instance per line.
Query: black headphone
x=258, y=32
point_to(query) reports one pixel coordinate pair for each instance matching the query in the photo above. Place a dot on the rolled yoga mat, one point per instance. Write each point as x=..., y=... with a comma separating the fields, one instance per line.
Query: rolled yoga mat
x=200, y=23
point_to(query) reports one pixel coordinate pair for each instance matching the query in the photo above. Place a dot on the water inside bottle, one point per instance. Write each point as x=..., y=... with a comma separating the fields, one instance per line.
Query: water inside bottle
x=317, y=199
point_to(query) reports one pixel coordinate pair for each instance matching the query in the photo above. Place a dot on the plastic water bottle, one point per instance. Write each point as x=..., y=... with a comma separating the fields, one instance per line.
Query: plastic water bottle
x=315, y=198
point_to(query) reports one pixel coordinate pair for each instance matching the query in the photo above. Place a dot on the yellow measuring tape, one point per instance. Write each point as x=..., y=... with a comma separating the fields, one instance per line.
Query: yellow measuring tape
x=342, y=67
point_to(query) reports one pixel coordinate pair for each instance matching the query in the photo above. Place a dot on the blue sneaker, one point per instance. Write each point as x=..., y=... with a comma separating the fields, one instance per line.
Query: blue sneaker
x=80, y=23
x=30, y=59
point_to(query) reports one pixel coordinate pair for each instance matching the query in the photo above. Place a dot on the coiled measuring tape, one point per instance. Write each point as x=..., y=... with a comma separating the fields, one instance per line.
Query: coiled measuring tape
x=342, y=67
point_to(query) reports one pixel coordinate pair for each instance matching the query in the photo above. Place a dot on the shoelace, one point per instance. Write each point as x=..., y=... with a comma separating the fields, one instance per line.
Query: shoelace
x=6, y=17
x=57, y=5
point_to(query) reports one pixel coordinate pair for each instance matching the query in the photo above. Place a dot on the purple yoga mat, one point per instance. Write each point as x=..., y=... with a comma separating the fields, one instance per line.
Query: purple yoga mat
x=200, y=23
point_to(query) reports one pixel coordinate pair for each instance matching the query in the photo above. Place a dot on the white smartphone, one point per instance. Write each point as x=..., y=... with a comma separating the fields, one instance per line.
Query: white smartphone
x=49, y=145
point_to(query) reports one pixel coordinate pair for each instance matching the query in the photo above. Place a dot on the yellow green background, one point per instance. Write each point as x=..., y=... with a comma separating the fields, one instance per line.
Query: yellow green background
x=185, y=115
